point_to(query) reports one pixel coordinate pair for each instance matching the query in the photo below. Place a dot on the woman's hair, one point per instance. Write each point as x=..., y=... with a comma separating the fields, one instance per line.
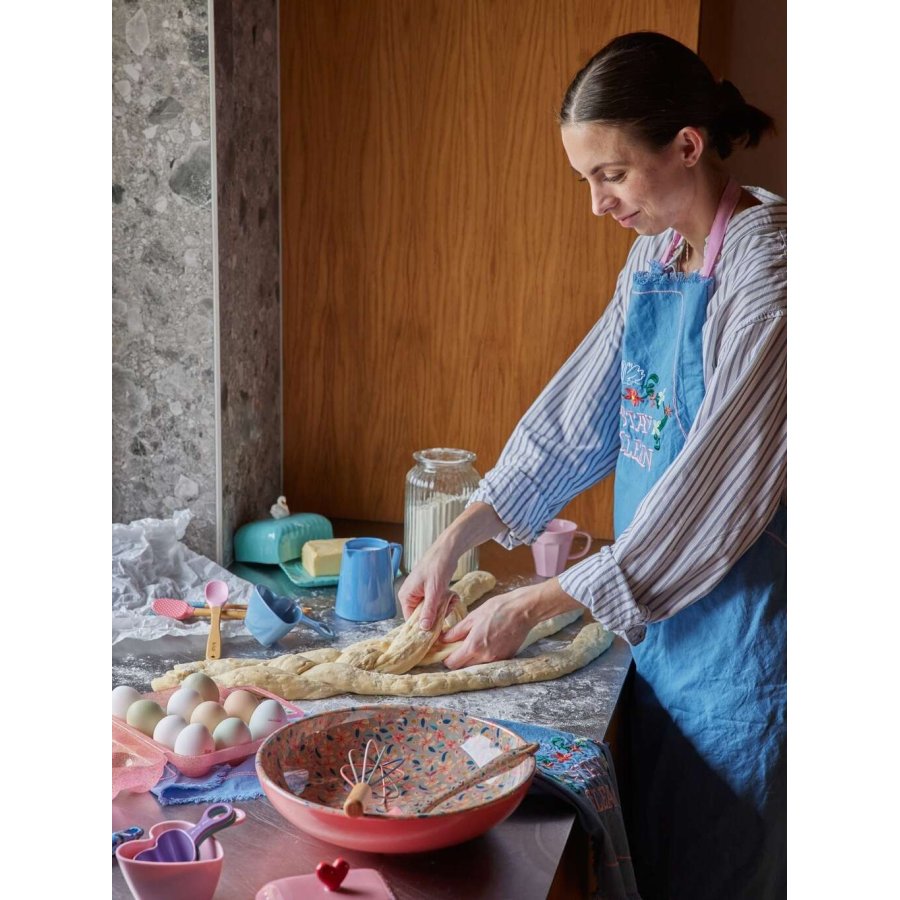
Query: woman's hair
x=655, y=86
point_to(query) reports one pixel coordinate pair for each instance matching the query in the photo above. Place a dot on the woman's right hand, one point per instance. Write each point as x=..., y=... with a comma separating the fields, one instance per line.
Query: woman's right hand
x=428, y=584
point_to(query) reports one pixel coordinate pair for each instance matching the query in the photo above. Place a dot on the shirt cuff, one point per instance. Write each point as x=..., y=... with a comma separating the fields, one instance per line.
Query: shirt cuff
x=599, y=584
x=517, y=502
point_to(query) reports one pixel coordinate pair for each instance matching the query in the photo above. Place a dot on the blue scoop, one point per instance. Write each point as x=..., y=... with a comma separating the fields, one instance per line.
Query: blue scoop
x=270, y=617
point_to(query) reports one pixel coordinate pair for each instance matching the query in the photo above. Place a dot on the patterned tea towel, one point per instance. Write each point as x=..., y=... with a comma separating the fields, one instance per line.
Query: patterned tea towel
x=580, y=771
x=222, y=784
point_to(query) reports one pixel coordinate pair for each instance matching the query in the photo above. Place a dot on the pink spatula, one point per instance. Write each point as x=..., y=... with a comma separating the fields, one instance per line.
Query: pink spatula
x=181, y=610
x=216, y=593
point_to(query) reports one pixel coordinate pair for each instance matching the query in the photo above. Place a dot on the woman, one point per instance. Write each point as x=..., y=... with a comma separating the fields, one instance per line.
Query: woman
x=680, y=387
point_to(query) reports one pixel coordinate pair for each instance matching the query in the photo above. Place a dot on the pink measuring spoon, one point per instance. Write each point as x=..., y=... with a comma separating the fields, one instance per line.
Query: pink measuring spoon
x=216, y=593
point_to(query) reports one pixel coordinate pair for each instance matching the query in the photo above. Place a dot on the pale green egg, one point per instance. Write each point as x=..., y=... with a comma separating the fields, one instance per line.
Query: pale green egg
x=231, y=732
x=145, y=715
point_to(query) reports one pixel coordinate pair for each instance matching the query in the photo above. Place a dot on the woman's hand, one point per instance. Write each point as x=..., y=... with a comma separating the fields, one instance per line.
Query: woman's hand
x=495, y=630
x=427, y=583
x=498, y=627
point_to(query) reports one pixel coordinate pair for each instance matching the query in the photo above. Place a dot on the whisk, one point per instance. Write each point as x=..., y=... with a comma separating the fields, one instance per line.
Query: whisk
x=375, y=778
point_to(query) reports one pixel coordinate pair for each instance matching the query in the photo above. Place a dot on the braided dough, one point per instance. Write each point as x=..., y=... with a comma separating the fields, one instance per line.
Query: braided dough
x=382, y=665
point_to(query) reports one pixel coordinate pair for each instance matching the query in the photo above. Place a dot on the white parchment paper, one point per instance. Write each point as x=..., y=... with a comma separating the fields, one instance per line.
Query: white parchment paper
x=149, y=561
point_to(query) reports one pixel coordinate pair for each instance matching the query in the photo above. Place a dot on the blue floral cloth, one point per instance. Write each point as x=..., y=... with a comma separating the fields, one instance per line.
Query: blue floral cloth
x=580, y=771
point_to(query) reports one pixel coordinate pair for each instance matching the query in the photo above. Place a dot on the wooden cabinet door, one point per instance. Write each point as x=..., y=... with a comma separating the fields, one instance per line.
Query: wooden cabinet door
x=440, y=259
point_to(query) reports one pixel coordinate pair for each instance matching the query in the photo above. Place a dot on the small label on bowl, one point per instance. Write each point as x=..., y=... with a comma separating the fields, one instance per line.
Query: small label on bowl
x=296, y=780
x=481, y=749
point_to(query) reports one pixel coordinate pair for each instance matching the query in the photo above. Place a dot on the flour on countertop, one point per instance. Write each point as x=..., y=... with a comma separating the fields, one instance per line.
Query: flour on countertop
x=136, y=671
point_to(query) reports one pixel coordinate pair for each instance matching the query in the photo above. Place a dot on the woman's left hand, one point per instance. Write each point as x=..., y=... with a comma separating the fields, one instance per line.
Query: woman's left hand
x=495, y=630
x=498, y=627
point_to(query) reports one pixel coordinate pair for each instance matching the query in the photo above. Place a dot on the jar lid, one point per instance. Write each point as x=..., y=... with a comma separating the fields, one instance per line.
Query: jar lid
x=444, y=456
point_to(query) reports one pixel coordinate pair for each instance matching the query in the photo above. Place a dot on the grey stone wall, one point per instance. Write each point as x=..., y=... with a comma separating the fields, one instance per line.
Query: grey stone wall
x=247, y=185
x=164, y=434
x=165, y=314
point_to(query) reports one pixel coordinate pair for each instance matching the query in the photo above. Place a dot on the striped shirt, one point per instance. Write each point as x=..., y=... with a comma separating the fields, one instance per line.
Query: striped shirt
x=722, y=489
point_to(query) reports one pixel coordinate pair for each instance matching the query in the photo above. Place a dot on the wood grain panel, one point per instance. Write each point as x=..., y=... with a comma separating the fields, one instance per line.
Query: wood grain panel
x=440, y=260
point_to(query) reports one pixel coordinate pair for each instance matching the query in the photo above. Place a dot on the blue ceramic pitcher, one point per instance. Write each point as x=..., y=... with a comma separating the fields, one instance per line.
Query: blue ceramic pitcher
x=365, y=590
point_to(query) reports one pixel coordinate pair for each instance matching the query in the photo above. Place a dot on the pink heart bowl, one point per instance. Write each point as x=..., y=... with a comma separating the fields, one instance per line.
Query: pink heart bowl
x=436, y=748
x=195, y=880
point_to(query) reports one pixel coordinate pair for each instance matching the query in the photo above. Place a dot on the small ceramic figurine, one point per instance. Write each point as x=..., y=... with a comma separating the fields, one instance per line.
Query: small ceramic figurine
x=280, y=509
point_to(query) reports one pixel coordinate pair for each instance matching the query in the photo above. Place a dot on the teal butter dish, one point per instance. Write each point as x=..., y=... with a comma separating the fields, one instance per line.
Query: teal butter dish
x=275, y=541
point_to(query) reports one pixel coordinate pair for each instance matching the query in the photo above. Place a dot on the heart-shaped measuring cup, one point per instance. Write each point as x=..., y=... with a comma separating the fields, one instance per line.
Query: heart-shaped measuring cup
x=332, y=874
x=177, y=845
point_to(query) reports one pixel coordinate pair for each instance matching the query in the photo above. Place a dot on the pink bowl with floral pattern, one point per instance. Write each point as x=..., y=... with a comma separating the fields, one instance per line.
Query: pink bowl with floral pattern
x=436, y=747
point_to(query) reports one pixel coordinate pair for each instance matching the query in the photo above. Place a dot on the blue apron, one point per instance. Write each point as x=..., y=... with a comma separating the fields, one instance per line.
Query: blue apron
x=708, y=714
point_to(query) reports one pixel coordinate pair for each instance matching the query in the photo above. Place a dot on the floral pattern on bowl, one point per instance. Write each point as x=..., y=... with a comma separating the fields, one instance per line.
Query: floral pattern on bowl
x=437, y=747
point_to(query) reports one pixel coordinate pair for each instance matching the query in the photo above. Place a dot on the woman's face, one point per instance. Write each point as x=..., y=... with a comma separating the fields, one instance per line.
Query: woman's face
x=642, y=189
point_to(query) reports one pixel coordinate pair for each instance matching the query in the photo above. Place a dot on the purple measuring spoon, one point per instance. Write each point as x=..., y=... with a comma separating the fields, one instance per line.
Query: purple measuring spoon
x=177, y=845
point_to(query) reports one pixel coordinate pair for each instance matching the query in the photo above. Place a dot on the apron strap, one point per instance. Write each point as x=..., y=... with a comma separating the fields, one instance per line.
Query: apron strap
x=729, y=201
x=670, y=250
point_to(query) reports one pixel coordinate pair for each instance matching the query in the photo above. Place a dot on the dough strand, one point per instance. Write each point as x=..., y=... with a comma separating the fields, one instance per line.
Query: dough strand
x=381, y=666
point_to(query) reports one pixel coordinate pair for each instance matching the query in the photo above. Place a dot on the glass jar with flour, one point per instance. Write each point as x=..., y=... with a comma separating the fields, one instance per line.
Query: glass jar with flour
x=438, y=487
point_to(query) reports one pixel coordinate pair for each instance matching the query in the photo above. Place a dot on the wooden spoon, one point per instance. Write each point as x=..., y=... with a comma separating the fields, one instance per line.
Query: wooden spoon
x=502, y=763
x=216, y=593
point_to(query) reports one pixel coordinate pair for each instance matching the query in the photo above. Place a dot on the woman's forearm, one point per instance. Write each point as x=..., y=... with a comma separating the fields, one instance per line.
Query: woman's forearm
x=475, y=525
x=479, y=523
x=545, y=600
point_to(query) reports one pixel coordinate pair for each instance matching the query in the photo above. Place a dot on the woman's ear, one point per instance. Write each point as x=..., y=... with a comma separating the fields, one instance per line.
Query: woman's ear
x=690, y=143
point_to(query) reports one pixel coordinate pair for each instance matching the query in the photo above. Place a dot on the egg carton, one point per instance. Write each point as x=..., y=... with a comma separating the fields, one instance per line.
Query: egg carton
x=195, y=766
x=135, y=767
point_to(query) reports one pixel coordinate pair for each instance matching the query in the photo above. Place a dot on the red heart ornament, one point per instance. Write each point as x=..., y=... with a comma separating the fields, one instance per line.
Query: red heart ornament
x=332, y=874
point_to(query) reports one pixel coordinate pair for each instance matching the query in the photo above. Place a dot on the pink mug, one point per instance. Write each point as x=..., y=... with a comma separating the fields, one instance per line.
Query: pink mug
x=552, y=550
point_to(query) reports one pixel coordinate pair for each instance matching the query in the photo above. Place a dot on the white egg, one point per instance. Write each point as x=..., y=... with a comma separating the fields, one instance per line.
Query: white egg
x=203, y=684
x=230, y=732
x=242, y=704
x=168, y=729
x=183, y=703
x=269, y=716
x=194, y=740
x=122, y=697
x=144, y=715
x=209, y=713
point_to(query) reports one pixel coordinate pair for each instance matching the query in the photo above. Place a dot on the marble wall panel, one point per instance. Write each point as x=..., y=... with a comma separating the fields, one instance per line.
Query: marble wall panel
x=173, y=230
x=163, y=403
x=247, y=185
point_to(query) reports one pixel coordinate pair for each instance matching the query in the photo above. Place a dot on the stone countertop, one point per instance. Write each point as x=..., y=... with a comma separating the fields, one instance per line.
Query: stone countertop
x=581, y=702
x=519, y=858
